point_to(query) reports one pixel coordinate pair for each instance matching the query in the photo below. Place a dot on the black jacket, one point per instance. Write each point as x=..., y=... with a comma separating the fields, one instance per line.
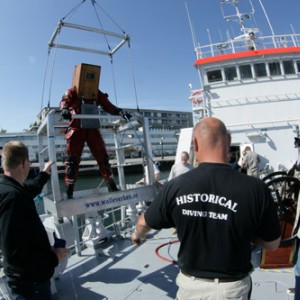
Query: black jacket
x=24, y=242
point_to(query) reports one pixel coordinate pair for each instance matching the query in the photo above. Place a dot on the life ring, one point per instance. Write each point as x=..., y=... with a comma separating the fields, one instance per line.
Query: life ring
x=197, y=92
x=197, y=97
x=197, y=101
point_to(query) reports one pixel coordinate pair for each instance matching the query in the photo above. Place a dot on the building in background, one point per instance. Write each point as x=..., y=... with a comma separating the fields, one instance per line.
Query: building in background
x=164, y=126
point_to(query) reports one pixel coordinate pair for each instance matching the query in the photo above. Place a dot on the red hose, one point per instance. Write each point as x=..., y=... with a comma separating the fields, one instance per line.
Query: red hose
x=163, y=245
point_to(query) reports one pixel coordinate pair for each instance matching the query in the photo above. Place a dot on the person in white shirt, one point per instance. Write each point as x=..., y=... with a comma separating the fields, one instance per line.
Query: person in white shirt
x=250, y=162
x=182, y=167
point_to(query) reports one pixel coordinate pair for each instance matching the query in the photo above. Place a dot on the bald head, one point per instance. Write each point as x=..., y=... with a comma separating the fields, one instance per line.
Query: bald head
x=211, y=141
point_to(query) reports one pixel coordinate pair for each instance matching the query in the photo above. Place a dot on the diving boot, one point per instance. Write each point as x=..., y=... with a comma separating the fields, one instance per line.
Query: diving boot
x=70, y=189
x=111, y=185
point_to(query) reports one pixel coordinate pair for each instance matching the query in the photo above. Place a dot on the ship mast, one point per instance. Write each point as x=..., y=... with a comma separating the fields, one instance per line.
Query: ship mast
x=248, y=36
x=200, y=98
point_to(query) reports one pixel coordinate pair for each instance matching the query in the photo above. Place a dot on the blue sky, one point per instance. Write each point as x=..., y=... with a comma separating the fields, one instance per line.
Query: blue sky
x=159, y=63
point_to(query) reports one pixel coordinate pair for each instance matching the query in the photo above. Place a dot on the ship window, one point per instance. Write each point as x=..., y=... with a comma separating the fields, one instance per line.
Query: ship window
x=298, y=66
x=274, y=68
x=288, y=67
x=213, y=76
x=260, y=70
x=245, y=71
x=230, y=73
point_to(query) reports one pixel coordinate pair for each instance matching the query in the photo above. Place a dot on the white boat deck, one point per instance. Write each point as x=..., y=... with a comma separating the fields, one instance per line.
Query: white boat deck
x=125, y=271
x=121, y=271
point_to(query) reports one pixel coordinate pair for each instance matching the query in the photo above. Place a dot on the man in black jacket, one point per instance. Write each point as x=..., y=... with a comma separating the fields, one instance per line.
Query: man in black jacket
x=28, y=258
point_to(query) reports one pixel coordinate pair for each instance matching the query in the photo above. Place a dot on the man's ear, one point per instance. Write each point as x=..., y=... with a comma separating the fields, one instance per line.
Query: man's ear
x=195, y=145
x=229, y=139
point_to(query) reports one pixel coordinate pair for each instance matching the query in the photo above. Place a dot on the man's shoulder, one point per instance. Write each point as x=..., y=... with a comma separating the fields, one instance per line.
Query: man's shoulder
x=9, y=189
x=250, y=183
x=6, y=180
x=187, y=176
x=2, y=177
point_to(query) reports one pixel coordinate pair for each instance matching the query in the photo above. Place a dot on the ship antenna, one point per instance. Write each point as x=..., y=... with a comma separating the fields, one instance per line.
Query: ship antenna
x=209, y=36
x=191, y=26
x=248, y=36
x=292, y=27
x=267, y=18
x=296, y=41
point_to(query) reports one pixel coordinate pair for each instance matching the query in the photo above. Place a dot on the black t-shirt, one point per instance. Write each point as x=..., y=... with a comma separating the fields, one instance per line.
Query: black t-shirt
x=217, y=211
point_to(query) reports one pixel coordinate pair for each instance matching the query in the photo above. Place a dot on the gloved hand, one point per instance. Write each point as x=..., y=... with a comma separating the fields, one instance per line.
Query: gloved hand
x=125, y=115
x=66, y=114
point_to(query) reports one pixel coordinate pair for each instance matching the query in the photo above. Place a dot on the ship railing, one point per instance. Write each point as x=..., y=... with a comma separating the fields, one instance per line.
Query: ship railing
x=246, y=44
x=52, y=125
x=111, y=222
x=93, y=206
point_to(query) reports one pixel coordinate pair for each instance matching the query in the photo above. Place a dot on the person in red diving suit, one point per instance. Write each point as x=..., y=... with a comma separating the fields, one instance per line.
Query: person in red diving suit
x=81, y=131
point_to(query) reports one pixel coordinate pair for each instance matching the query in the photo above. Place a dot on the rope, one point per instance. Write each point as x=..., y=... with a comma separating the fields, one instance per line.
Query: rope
x=44, y=82
x=94, y=2
x=68, y=15
x=73, y=10
x=130, y=56
x=133, y=76
x=52, y=72
x=100, y=23
x=51, y=78
x=114, y=79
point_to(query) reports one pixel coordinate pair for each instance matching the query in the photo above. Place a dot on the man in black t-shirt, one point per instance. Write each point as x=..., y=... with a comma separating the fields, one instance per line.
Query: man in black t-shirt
x=218, y=213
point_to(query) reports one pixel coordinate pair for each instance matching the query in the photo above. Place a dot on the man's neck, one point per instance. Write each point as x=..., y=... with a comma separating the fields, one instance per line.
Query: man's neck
x=15, y=175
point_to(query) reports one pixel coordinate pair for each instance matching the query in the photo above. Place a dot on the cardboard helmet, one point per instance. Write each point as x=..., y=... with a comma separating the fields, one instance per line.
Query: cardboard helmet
x=86, y=80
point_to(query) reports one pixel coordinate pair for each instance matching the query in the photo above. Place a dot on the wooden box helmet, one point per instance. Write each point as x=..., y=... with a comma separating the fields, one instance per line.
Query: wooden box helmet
x=86, y=80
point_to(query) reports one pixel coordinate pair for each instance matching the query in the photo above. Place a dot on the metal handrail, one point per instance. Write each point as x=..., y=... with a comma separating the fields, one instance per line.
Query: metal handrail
x=234, y=46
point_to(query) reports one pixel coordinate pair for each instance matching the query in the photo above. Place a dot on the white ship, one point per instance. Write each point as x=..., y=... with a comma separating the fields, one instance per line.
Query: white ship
x=252, y=83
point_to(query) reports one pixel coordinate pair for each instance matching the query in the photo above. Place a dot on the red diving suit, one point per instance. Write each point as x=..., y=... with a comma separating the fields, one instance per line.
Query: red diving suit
x=86, y=130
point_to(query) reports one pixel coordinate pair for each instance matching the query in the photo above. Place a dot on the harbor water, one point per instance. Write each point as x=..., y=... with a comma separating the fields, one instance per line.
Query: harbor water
x=90, y=181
